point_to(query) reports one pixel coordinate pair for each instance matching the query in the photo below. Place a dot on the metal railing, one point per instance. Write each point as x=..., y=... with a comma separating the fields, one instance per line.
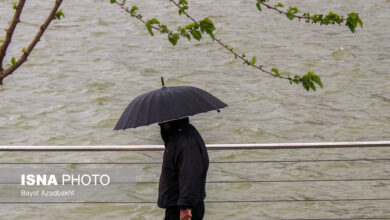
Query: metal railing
x=209, y=146
x=275, y=146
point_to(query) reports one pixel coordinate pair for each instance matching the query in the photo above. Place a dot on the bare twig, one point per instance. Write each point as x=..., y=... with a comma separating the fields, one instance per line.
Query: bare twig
x=10, y=31
x=27, y=51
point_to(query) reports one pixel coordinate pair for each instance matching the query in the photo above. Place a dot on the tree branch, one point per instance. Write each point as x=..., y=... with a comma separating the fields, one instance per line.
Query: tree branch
x=196, y=29
x=10, y=31
x=32, y=44
x=155, y=24
x=226, y=46
x=282, y=12
x=137, y=17
x=351, y=21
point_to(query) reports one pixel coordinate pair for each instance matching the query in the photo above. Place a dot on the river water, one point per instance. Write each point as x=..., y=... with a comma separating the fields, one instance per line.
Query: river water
x=90, y=65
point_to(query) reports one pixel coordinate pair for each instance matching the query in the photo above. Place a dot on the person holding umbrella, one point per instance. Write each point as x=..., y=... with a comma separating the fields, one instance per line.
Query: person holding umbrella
x=184, y=170
x=182, y=186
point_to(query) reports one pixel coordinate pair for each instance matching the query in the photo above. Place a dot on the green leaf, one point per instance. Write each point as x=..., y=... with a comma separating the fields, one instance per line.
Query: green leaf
x=164, y=29
x=294, y=10
x=312, y=86
x=207, y=25
x=149, y=27
x=254, y=59
x=316, y=79
x=13, y=61
x=279, y=5
x=153, y=21
x=306, y=86
x=360, y=21
x=23, y=49
x=291, y=12
x=182, y=9
x=353, y=20
x=1, y=41
x=183, y=6
x=183, y=2
x=196, y=34
x=181, y=30
x=308, y=81
x=133, y=9
x=290, y=16
x=14, y=5
x=173, y=38
x=211, y=35
x=184, y=33
x=258, y=6
x=112, y=1
x=192, y=26
x=276, y=71
x=59, y=14
x=149, y=23
x=188, y=36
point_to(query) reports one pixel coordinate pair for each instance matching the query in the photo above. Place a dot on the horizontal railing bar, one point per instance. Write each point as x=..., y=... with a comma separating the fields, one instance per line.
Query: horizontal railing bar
x=249, y=181
x=271, y=146
x=355, y=218
x=282, y=181
x=217, y=162
x=305, y=161
x=228, y=201
x=299, y=200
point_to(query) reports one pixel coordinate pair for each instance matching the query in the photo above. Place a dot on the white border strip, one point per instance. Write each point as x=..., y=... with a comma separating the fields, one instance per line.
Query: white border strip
x=209, y=146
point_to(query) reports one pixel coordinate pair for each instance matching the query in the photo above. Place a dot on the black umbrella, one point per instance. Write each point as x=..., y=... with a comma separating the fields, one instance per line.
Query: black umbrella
x=166, y=104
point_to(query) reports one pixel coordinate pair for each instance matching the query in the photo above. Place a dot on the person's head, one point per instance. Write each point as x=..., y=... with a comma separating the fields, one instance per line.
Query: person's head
x=173, y=124
x=166, y=127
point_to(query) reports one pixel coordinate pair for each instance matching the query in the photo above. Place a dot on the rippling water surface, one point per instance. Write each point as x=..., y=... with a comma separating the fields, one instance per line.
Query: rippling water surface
x=90, y=65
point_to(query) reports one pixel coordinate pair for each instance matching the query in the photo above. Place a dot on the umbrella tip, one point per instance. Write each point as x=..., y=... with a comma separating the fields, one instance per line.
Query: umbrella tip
x=162, y=81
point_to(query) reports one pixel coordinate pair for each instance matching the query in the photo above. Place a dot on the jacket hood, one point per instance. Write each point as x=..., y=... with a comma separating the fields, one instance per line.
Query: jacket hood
x=175, y=126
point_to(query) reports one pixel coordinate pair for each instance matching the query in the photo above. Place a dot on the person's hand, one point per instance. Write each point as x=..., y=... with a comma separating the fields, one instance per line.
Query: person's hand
x=185, y=214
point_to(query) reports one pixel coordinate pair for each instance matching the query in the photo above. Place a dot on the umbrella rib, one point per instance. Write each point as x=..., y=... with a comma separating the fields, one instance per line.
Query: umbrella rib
x=135, y=117
x=148, y=109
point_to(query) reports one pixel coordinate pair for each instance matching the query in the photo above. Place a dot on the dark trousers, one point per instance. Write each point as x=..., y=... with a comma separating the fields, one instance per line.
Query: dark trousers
x=173, y=213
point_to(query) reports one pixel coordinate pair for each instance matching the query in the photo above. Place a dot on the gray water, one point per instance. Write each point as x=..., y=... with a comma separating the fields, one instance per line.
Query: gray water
x=90, y=65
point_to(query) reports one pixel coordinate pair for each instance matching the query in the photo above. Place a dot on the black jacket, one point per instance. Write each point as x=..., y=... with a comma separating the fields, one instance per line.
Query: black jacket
x=184, y=168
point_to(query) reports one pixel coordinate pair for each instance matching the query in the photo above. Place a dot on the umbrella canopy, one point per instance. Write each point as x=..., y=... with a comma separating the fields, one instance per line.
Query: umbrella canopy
x=166, y=104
